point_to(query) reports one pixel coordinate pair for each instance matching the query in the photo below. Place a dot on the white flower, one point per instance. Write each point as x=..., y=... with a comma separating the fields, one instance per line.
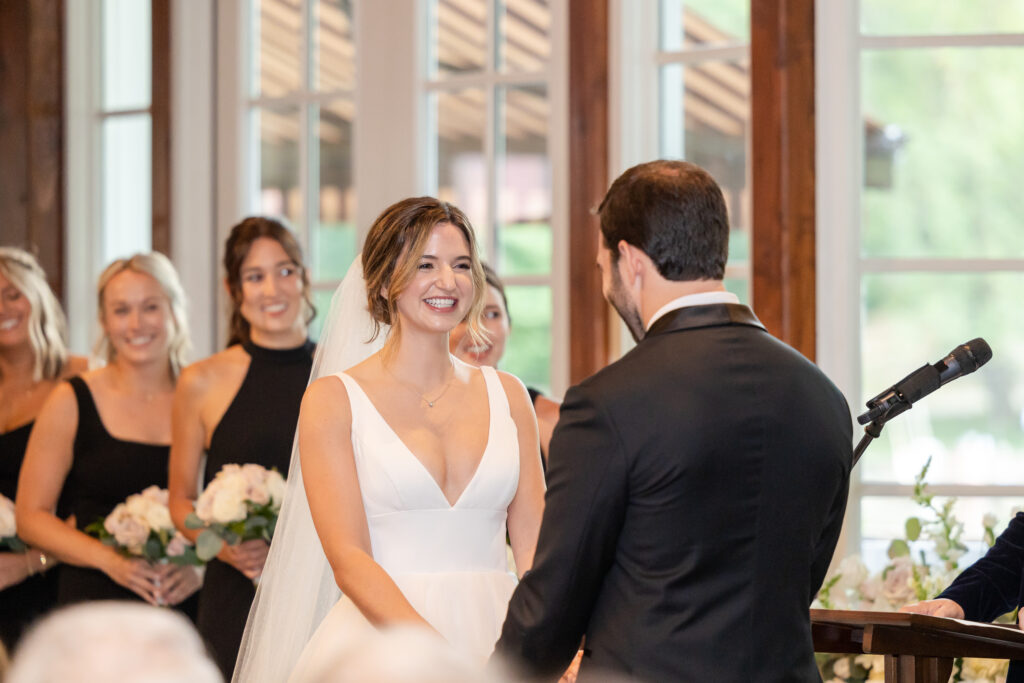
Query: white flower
x=989, y=520
x=870, y=662
x=898, y=583
x=275, y=487
x=176, y=546
x=983, y=669
x=127, y=530
x=8, y=525
x=852, y=572
x=229, y=506
x=841, y=667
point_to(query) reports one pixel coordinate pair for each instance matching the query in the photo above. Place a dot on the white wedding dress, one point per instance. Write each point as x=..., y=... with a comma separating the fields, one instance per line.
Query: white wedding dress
x=449, y=560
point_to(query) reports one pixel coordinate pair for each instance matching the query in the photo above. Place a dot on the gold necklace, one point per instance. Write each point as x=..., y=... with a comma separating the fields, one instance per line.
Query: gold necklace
x=423, y=397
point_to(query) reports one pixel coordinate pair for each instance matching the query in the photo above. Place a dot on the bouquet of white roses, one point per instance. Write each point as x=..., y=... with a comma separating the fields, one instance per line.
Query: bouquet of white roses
x=240, y=504
x=141, y=526
x=8, y=527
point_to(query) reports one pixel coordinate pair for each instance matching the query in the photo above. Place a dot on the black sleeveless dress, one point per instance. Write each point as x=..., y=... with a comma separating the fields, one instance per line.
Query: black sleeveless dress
x=258, y=427
x=104, y=471
x=21, y=603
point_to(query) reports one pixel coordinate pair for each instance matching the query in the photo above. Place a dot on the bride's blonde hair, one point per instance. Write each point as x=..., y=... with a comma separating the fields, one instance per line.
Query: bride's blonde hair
x=391, y=254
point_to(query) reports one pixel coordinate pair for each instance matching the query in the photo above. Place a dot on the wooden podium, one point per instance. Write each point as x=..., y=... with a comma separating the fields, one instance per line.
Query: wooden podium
x=917, y=648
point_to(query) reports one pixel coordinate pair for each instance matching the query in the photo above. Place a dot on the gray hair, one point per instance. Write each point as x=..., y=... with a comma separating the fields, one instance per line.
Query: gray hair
x=113, y=641
x=158, y=267
x=47, y=326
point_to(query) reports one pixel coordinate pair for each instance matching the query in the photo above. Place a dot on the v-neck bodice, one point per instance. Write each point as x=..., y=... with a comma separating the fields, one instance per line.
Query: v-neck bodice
x=413, y=526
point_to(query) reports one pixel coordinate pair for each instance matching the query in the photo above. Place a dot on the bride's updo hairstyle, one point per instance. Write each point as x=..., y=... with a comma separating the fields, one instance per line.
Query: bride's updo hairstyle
x=237, y=248
x=392, y=252
x=47, y=327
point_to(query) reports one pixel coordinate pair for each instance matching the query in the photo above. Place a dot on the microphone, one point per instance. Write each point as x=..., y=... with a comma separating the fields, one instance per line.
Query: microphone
x=899, y=398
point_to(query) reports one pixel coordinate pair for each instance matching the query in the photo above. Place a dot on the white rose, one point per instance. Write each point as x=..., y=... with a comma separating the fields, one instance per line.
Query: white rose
x=841, y=667
x=229, y=506
x=275, y=486
x=8, y=525
x=257, y=494
x=898, y=583
x=158, y=517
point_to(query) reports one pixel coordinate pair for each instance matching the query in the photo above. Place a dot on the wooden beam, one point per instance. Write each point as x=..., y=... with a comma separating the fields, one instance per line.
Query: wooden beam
x=161, y=125
x=589, y=319
x=782, y=149
x=32, y=131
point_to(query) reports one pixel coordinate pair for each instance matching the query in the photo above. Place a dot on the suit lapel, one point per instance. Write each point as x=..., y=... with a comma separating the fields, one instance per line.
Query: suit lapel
x=714, y=315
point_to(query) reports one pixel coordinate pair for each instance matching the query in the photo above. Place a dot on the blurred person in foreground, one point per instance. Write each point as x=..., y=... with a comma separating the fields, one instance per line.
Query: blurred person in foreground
x=697, y=485
x=106, y=641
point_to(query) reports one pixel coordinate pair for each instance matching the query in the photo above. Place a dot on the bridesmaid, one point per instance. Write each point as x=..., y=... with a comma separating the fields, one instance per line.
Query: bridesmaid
x=33, y=359
x=105, y=435
x=497, y=322
x=241, y=406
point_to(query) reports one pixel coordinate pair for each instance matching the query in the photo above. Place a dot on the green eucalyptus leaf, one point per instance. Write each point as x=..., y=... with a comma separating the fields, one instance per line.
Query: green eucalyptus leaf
x=898, y=548
x=913, y=528
x=208, y=545
x=192, y=521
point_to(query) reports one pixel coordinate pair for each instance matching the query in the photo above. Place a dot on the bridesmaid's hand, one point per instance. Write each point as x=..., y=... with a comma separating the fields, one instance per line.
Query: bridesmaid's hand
x=177, y=583
x=138, y=576
x=247, y=557
x=13, y=569
x=941, y=607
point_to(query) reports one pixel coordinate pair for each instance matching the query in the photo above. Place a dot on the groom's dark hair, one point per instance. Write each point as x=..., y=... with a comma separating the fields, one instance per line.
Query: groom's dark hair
x=675, y=213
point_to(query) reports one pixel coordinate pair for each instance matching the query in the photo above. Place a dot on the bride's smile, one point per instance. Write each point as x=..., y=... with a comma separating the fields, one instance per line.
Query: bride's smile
x=441, y=290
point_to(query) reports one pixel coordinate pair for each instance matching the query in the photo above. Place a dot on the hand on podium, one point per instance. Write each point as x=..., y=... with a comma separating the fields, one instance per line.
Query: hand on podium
x=941, y=607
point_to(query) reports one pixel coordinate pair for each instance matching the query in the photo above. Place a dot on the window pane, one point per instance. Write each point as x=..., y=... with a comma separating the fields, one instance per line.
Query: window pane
x=524, y=35
x=928, y=17
x=280, y=193
x=127, y=54
x=460, y=36
x=528, y=352
x=972, y=428
x=740, y=287
x=950, y=157
x=693, y=23
x=883, y=519
x=524, y=198
x=322, y=302
x=334, y=237
x=278, y=57
x=462, y=164
x=335, y=47
x=127, y=185
x=705, y=113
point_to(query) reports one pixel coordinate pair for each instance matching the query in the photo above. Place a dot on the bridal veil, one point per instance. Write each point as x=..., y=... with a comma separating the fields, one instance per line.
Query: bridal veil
x=297, y=588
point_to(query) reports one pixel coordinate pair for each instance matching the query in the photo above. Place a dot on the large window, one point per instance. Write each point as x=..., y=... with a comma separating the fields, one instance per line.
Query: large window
x=300, y=115
x=490, y=84
x=937, y=249
x=704, y=107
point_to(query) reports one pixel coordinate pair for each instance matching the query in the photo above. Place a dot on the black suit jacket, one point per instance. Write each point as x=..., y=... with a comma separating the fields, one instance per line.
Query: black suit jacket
x=696, y=491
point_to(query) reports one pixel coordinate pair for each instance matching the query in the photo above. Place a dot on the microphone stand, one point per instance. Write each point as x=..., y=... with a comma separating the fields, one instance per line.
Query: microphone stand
x=872, y=430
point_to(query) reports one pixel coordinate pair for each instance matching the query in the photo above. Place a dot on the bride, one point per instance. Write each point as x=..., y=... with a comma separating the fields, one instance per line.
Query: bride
x=412, y=462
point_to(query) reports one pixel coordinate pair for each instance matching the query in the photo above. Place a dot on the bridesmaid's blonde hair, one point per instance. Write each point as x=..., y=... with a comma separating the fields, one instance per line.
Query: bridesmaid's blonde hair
x=47, y=326
x=158, y=267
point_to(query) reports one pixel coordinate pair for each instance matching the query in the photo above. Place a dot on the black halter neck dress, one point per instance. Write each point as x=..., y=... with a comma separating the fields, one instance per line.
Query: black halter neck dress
x=258, y=427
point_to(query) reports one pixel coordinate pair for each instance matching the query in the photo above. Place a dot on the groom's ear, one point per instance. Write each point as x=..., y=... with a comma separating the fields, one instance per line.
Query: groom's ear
x=632, y=260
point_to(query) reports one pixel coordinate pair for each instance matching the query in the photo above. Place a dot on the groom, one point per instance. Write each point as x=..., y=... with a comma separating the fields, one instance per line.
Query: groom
x=697, y=485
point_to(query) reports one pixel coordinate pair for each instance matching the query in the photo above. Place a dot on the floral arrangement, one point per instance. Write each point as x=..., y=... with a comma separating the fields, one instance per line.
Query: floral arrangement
x=904, y=580
x=240, y=504
x=8, y=527
x=141, y=526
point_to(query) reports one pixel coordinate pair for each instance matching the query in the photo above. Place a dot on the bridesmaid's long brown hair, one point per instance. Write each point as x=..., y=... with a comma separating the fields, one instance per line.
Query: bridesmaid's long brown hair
x=237, y=248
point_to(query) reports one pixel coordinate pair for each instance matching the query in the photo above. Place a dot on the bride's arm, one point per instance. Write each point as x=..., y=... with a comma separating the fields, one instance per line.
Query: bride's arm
x=332, y=487
x=527, y=507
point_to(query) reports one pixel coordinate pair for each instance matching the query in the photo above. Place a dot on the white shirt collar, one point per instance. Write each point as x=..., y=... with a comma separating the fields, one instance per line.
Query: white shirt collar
x=701, y=299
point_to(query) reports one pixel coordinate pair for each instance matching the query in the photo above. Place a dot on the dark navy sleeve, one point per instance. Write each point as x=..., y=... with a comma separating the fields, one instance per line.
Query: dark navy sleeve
x=991, y=586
